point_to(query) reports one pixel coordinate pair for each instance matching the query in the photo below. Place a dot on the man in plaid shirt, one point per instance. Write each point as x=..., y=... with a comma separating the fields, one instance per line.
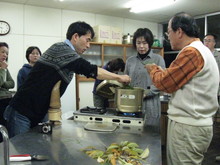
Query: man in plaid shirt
x=192, y=79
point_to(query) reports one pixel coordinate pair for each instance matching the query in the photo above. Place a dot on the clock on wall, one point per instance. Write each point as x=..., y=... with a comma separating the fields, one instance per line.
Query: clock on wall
x=4, y=28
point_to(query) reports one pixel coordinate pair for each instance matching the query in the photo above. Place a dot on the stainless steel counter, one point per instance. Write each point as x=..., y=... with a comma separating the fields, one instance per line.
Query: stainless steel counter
x=64, y=144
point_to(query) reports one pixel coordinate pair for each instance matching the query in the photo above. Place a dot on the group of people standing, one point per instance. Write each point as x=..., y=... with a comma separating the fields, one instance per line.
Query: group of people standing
x=6, y=80
x=32, y=55
x=191, y=110
x=192, y=79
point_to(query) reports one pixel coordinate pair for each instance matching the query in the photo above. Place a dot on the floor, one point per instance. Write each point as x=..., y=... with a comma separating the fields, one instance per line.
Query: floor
x=213, y=151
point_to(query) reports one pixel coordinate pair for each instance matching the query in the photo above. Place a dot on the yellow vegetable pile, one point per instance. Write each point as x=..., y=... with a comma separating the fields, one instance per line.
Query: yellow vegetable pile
x=125, y=153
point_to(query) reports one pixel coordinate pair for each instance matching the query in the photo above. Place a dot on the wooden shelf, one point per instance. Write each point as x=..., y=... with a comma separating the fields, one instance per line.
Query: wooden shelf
x=91, y=54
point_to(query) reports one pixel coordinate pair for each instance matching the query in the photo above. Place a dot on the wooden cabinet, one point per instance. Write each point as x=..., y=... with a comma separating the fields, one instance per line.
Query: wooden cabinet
x=101, y=53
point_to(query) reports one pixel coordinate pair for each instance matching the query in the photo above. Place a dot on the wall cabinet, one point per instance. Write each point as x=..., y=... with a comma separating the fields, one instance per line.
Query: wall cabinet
x=101, y=53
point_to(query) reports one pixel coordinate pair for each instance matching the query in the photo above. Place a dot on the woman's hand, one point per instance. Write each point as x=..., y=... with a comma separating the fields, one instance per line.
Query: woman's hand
x=3, y=65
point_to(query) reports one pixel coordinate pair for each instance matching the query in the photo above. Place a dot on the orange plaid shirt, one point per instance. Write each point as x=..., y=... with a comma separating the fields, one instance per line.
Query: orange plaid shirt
x=188, y=62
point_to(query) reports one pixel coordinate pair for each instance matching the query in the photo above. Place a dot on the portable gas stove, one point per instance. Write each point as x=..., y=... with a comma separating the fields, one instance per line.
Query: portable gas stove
x=110, y=115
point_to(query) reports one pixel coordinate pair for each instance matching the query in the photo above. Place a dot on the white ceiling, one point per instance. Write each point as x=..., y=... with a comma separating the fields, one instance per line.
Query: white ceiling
x=116, y=8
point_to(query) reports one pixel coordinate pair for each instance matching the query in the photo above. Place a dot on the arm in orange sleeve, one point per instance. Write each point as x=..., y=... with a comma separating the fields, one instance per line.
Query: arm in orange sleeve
x=181, y=70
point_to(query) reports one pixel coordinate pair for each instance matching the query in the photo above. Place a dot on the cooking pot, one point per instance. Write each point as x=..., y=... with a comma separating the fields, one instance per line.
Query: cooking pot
x=127, y=39
x=126, y=99
x=107, y=88
x=129, y=100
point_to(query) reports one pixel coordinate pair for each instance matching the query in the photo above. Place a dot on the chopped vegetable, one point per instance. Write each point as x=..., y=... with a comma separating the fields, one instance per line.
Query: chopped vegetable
x=125, y=153
x=127, y=87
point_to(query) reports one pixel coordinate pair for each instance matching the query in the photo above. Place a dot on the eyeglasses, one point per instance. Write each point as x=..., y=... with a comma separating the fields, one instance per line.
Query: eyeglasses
x=209, y=40
x=168, y=32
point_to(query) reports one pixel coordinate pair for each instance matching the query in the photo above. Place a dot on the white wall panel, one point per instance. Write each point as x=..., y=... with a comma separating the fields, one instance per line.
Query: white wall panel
x=85, y=95
x=69, y=17
x=67, y=100
x=40, y=41
x=109, y=21
x=13, y=14
x=42, y=21
x=130, y=26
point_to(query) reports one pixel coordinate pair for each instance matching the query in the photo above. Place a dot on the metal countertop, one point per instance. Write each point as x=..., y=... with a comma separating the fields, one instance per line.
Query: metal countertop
x=64, y=144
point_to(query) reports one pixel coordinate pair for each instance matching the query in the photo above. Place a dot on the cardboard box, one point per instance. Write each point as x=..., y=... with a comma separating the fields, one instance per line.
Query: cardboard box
x=102, y=33
x=116, y=35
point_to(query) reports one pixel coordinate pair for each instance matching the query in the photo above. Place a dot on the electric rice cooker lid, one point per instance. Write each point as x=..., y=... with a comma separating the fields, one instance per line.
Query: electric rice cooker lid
x=107, y=88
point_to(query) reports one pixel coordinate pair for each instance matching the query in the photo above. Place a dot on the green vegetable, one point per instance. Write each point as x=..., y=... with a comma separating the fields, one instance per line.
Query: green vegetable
x=145, y=154
x=125, y=153
x=127, y=87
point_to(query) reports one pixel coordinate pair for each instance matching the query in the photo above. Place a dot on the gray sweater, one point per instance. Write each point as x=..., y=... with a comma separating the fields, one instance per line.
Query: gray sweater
x=140, y=78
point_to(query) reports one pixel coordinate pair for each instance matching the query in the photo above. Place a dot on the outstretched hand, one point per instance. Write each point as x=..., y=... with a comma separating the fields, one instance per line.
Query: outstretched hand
x=124, y=79
x=149, y=67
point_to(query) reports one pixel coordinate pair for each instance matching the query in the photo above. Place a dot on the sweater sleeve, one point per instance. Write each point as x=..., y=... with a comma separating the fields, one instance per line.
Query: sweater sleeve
x=9, y=83
x=82, y=66
x=19, y=78
x=2, y=74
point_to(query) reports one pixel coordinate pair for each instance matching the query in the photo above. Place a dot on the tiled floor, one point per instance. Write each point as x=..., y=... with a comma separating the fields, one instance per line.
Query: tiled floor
x=213, y=151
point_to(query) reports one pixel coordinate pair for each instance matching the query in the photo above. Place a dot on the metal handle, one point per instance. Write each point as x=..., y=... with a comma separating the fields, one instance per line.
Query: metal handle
x=4, y=133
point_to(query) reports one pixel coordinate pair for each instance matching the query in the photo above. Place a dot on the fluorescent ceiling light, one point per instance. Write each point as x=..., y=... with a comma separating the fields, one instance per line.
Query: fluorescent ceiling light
x=138, y=6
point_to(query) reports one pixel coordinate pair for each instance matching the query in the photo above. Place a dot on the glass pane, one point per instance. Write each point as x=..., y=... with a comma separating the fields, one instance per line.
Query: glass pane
x=166, y=42
x=213, y=26
x=93, y=54
x=112, y=52
x=201, y=24
x=130, y=51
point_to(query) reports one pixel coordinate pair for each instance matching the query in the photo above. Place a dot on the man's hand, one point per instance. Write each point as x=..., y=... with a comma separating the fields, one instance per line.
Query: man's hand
x=149, y=67
x=124, y=79
x=3, y=65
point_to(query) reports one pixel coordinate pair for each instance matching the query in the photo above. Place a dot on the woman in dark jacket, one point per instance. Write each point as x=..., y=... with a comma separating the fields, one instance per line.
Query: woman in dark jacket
x=32, y=55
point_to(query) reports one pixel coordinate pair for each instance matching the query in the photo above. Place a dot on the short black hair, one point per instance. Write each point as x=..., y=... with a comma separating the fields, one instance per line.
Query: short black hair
x=29, y=51
x=81, y=28
x=212, y=34
x=4, y=44
x=146, y=33
x=116, y=65
x=186, y=22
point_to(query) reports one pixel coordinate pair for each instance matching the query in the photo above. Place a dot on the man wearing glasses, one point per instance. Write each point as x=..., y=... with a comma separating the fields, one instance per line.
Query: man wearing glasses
x=210, y=41
x=192, y=79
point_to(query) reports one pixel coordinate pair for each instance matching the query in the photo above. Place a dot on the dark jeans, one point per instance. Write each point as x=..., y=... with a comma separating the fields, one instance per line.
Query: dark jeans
x=17, y=123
